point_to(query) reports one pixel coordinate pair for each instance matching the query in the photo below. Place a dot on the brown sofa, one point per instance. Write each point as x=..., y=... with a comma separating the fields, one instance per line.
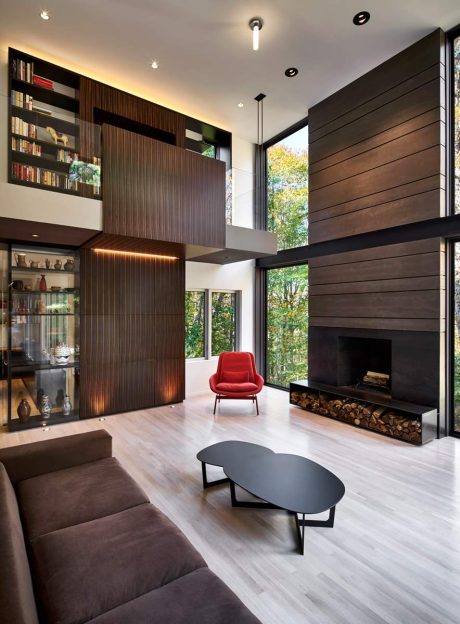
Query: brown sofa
x=80, y=542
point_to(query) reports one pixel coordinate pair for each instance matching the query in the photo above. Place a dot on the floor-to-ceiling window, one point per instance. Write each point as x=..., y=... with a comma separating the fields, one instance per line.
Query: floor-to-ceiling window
x=287, y=189
x=286, y=340
x=455, y=157
x=287, y=325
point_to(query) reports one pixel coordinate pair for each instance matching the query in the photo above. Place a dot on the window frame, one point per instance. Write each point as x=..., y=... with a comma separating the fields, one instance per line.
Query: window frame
x=208, y=292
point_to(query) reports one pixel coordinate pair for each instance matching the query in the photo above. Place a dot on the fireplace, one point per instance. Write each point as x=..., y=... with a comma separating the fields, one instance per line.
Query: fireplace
x=364, y=363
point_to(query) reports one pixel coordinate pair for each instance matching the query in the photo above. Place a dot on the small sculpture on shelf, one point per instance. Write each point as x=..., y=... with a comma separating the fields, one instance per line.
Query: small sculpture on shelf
x=24, y=411
x=45, y=406
x=62, y=354
x=69, y=265
x=58, y=137
x=58, y=265
x=43, y=286
x=33, y=264
x=20, y=260
x=67, y=407
x=47, y=263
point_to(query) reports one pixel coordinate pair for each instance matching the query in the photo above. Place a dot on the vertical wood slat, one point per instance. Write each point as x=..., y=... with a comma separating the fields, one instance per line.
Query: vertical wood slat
x=157, y=191
x=130, y=308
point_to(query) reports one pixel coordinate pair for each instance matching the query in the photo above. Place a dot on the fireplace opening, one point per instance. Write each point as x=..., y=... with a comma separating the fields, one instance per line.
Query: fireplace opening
x=364, y=364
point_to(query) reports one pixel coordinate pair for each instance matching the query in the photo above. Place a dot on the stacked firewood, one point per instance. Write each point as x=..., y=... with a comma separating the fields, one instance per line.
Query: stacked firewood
x=378, y=418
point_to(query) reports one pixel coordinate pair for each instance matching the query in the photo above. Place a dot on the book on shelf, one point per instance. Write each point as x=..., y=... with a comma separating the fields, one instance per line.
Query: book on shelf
x=22, y=100
x=45, y=83
x=22, y=70
x=19, y=126
x=66, y=156
x=40, y=109
x=37, y=175
x=25, y=147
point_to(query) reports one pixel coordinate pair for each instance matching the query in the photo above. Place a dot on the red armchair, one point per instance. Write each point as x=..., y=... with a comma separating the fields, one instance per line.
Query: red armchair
x=236, y=378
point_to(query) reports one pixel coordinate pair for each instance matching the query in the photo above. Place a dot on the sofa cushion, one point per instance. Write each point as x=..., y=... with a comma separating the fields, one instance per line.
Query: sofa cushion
x=85, y=570
x=76, y=495
x=17, y=603
x=237, y=387
x=196, y=598
x=235, y=377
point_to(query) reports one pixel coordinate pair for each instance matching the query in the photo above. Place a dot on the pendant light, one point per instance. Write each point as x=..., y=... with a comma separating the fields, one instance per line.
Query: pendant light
x=255, y=24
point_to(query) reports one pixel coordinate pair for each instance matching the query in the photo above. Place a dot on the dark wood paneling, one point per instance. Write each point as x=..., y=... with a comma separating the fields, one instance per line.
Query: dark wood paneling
x=424, y=54
x=157, y=191
x=394, y=287
x=377, y=147
x=132, y=321
x=96, y=95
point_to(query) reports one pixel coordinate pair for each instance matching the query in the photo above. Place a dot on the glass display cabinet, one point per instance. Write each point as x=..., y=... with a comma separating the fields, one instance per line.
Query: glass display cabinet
x=43, y=336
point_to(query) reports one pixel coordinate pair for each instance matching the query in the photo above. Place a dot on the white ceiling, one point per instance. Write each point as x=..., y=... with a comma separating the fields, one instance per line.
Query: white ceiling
x=204, y=47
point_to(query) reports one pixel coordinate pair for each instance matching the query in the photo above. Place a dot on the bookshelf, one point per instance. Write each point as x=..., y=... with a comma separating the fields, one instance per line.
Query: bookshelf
x=45, y=149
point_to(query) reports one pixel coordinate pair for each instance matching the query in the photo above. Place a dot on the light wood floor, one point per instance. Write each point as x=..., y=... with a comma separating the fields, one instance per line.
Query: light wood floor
x=393, y=556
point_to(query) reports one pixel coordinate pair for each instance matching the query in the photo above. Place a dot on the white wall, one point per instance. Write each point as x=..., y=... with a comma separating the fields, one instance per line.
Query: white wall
x=32, y=204
x=237, y=276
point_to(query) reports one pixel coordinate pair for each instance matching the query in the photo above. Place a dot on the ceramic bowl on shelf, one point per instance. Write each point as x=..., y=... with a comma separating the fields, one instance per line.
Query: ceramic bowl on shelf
x=55, y=288
x=62, y=354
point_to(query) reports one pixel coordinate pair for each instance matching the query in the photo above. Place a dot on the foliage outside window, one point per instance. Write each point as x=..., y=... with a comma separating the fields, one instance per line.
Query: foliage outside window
x=223, y=331
x=211, y=323
x=194, y=324
x=287, y=190
x=457, y=338
x=456, y=155
x=287, y=325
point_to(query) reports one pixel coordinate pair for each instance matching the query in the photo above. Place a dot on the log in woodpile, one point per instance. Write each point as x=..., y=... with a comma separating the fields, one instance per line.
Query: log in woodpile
x=377, y=418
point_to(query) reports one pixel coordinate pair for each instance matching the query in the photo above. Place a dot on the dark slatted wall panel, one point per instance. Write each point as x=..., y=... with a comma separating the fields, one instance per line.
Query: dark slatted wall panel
x=376, y=148
x=132, y=333
x=395, y=287
x=158, y=191
x=96, y=95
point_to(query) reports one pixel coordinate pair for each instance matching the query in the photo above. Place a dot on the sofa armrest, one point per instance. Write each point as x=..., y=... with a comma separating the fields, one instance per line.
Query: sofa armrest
x=30, y=460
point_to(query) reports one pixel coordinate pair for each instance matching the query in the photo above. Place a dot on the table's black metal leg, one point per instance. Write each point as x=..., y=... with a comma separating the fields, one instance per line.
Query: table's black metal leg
x=300, y=526
x=249, y=504
x=208, y=484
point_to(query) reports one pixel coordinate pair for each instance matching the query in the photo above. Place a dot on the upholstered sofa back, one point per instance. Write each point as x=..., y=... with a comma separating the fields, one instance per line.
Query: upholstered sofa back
x=17, y=603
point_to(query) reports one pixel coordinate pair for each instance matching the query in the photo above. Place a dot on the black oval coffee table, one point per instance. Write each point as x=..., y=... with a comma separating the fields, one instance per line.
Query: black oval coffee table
x=283, y=481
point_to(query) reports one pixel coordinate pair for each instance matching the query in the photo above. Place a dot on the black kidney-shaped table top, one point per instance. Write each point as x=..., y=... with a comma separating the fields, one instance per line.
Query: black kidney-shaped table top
x=283, y=481
x=291, y=482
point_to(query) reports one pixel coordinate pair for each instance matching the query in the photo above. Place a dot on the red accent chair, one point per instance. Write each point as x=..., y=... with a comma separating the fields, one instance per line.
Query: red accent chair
x=236, y=378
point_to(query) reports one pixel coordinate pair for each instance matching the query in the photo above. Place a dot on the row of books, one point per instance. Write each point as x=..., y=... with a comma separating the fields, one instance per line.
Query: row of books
x=26, y=147
x=66, y=156
x=19, y=126
x=23, y=70
x=27, y=173
x=22, y=100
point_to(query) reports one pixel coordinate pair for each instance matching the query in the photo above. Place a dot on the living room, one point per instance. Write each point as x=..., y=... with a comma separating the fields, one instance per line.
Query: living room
x=229, y=312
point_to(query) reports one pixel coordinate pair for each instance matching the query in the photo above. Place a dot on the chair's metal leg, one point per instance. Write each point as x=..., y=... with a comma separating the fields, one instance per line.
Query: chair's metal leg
x=257, y=406
x=215, y=404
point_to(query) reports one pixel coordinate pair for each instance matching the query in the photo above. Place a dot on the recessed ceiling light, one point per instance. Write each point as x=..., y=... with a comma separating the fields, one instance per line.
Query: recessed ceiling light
x=361, y=18
x=291, y=72
x=240, y=105
x=34, y=235
x=155, y=64
x=45, y=15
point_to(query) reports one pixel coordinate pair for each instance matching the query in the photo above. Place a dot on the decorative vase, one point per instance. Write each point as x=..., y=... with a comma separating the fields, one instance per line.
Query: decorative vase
x=43, y=287
x=47, y=263
x=45, y=406
x=69, y=265
x=23, y=411
x=67, y=407
x=58, y=265
x=20, y=260
x=62, y=354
